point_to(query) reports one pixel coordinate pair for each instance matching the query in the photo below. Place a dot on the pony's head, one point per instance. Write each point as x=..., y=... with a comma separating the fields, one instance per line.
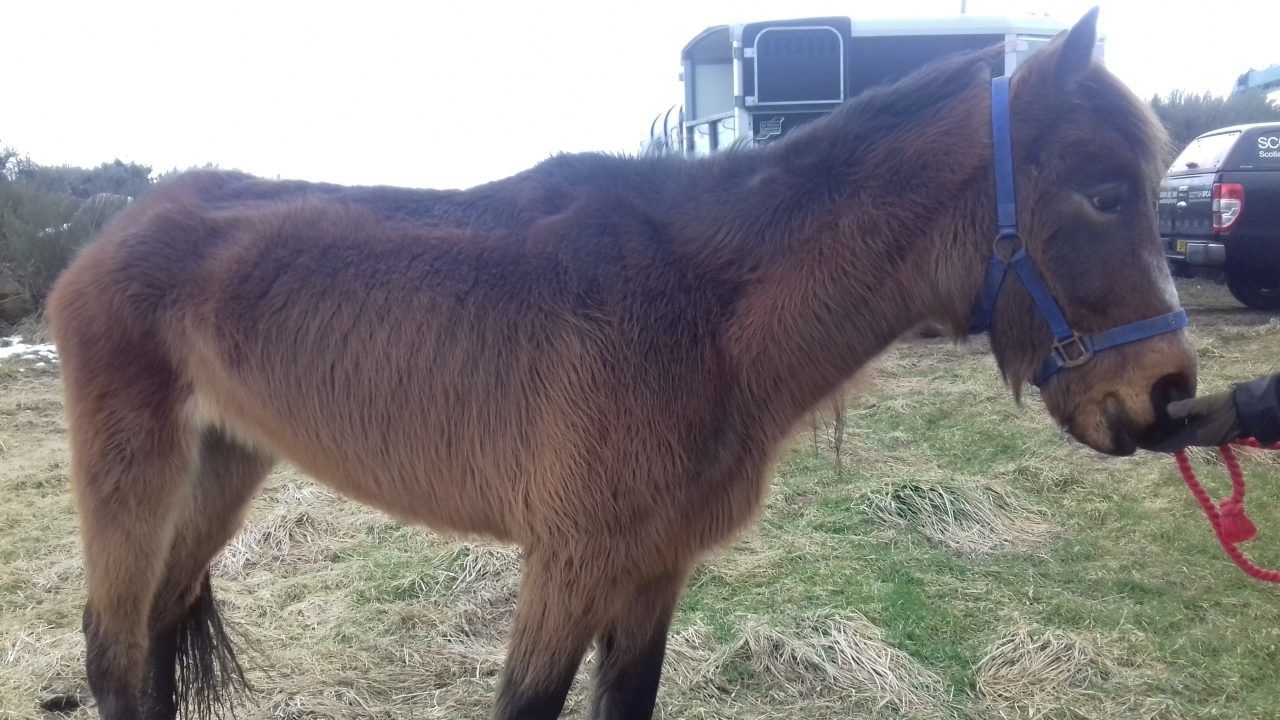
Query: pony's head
x=1088, y=156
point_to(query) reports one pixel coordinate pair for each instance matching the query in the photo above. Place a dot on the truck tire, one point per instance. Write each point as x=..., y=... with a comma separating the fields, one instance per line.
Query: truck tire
x=1256, y=288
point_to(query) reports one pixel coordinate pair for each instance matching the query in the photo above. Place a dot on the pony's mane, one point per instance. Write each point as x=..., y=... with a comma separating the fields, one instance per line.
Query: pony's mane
x=883, y=108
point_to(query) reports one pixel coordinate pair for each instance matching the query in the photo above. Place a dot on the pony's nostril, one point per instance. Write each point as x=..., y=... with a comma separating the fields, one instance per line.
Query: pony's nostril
x=1170, y=388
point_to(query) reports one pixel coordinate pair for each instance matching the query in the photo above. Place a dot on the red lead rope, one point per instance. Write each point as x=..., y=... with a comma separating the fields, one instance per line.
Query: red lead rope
x=1227, y=517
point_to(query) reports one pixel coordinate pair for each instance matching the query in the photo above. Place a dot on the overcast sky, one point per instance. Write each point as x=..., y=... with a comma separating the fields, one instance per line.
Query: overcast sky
x=452, y=93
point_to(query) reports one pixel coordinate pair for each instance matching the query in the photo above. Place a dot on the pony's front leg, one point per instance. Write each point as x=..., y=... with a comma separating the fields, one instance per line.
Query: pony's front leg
x=559, y=611
x=132, y=463
x=632, y=646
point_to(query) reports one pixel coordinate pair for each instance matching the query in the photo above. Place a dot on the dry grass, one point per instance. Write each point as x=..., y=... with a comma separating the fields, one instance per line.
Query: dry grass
x=33, y=330
x=294, y=525
x=753, y=557
x=822, y=656
x=971, y=518
x=1033, y=672
x=1032, y=666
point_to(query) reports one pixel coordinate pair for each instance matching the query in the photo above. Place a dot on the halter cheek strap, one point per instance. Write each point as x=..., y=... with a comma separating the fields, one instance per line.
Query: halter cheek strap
x=1070, y=348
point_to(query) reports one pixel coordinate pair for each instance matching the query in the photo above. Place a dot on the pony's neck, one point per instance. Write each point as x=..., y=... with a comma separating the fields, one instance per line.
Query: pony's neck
x=880, y=226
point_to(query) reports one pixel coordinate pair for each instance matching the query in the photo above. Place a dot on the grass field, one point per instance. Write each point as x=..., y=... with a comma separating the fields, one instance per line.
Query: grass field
x=965, y=560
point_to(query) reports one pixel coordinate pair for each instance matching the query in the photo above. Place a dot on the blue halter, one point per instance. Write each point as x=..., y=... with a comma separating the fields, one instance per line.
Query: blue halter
x=1070, y=348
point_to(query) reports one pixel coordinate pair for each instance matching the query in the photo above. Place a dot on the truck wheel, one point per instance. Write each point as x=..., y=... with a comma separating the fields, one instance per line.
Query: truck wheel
x=1257, y=288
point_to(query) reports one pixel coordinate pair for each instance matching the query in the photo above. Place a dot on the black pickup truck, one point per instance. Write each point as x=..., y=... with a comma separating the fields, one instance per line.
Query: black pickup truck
x=1219, y=212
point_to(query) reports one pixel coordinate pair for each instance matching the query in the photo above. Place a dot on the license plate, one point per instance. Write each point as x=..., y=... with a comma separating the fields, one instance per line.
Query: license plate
x=1182, y=246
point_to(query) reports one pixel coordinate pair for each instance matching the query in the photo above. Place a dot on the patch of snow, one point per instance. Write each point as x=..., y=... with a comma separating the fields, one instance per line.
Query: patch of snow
x=13, y=348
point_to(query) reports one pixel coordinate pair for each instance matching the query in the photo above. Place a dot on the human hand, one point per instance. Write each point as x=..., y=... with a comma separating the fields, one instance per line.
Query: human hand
x=1208, y=420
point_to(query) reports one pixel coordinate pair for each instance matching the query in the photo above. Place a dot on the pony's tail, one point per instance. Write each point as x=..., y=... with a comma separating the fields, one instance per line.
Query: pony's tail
x=209, y=677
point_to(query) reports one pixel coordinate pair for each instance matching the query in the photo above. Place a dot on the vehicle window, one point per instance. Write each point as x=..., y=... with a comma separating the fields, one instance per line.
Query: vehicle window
x=712, y=89
x=1204, y=154
x=1263, y=152
x=799, y=64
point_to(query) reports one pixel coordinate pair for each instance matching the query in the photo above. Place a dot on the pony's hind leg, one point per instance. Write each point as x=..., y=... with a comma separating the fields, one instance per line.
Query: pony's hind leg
x=132, y=460
x=631, y=648
x=557, y=614
x=191, y=661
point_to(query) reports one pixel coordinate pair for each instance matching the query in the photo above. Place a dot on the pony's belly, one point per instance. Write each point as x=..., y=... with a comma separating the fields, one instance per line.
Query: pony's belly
x=413, y=479
x=435, y=496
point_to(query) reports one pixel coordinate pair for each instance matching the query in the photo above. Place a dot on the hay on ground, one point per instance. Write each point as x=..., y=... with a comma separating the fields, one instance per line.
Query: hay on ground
x=1034, y=669
x=970, y=519
x=819, y=656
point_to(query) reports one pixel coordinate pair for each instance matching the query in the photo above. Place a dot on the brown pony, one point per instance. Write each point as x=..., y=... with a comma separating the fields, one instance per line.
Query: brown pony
x=595, y=359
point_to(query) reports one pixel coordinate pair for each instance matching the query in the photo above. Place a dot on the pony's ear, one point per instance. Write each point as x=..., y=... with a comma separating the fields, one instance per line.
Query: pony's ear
x=1076, y=53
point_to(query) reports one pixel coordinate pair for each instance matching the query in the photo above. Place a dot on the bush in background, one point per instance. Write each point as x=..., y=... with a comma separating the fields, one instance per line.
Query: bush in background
x=47, y=213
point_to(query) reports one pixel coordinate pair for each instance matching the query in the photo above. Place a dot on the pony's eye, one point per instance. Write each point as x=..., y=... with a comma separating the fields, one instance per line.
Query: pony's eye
x=1109, y=204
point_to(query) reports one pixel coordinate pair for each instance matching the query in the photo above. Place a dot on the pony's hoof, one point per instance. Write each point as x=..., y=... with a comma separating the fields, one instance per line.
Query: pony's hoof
x=61, y=703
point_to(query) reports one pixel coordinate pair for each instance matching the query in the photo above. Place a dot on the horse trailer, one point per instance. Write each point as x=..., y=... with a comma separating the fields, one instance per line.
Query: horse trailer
x=754, y=82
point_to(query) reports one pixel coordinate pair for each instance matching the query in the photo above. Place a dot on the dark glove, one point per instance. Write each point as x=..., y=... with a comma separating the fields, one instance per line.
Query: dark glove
x=1249, y=409
x=1208, y=420
x=1258, y=405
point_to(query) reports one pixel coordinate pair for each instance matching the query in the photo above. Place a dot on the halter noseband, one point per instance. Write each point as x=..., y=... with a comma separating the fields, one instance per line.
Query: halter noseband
x=1070, y=348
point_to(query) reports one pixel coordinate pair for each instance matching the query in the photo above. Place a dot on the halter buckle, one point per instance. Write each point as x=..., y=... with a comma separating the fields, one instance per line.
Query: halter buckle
x=1072, y=351
x=1006, y=244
